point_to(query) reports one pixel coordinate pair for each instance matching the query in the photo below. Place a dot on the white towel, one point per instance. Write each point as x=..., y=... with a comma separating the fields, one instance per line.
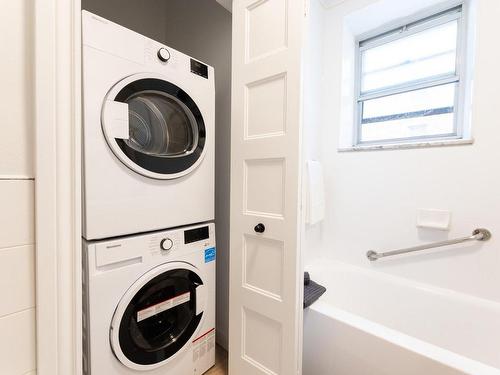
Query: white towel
x=315, y=211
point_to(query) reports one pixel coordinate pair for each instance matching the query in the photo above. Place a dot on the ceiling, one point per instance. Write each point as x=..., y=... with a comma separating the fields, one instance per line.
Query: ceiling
x=228, y=4
x=331, y=3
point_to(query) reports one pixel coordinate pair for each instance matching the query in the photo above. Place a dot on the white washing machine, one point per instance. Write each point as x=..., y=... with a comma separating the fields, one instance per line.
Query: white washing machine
x=148, y=133
x=149, y=303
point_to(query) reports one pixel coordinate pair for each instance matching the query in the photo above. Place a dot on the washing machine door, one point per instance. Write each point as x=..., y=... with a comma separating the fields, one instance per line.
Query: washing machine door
x=154, y=127
x=158, y=317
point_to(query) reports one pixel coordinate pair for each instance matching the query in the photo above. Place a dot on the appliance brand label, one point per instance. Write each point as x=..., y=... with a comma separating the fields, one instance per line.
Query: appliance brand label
x=150, y=311
x=209, y=254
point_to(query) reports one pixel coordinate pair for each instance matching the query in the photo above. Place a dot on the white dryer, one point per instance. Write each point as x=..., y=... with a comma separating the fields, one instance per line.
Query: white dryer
x=149, y=303
x=148, y=133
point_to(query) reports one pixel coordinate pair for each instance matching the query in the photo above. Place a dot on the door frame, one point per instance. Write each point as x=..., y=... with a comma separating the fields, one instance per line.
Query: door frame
x=57, y=98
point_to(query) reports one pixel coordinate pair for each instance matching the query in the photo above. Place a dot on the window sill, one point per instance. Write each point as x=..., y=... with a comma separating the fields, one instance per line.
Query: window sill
x=403, y=146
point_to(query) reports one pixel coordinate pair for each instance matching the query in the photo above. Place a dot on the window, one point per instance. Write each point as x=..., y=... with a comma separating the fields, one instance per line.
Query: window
x=408, y=82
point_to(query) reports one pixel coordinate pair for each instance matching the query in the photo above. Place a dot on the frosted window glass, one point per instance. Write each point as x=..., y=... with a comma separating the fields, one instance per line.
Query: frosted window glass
x=414, y=114
x=426, y=54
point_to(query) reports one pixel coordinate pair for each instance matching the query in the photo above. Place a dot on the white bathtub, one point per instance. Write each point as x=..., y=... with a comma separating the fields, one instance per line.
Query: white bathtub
x=371, y=323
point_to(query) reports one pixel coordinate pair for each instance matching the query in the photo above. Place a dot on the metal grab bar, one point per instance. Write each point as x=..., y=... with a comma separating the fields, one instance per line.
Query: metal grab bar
x=479, y=234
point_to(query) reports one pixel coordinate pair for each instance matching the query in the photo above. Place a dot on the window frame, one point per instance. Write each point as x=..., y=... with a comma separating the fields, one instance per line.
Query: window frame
x=425, y=20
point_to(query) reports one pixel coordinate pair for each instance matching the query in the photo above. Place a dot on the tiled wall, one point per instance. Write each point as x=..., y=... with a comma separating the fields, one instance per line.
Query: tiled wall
x=17, y=239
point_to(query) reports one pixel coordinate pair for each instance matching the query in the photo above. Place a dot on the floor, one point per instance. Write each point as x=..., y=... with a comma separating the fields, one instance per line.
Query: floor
x=220, y=367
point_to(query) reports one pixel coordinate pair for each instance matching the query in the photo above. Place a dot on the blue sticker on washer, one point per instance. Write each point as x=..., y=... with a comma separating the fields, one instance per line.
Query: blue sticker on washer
x=209, y=254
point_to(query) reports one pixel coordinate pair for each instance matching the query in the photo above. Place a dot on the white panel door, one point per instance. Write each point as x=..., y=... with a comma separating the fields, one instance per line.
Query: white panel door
x=265, y=268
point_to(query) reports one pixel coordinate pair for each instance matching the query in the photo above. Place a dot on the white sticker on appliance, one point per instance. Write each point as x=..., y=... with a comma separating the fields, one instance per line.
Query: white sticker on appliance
x=203, y=345
x=150, y=311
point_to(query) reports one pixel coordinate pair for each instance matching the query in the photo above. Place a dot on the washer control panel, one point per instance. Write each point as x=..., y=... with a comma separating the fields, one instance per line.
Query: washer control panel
x=148, y=247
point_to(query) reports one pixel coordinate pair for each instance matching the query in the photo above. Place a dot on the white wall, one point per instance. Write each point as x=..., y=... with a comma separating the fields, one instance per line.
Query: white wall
x=146, y=17
x=313, y=110
x=372, y=197
x=201, y=29
x=17, y=249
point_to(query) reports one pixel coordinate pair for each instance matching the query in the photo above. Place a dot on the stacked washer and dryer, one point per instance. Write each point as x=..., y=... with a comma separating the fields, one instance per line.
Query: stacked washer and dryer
x=148, y=185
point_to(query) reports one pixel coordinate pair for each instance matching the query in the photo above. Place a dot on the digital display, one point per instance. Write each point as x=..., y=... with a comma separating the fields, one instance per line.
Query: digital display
x=199, y=68
x=195, y=235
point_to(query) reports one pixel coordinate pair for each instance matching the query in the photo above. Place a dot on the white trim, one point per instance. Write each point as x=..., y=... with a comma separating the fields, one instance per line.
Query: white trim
x=57, y=186
x=407, y=145
x=409, y=86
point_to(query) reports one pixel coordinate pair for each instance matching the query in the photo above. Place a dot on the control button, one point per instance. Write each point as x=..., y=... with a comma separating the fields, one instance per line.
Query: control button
x=166, y=244
x=163, y=54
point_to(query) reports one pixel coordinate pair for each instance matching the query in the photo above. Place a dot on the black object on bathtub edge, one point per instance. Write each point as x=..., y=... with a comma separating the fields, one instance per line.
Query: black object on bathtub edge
x=312, y=290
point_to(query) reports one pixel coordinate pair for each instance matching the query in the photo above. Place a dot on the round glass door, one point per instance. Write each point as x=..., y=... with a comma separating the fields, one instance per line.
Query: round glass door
x=166, y=131
x=159, y=125
x=158, y=320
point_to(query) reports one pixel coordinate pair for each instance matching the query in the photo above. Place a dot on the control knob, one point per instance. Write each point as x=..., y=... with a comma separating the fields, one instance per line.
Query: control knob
x=166, y=244
x=163, y=54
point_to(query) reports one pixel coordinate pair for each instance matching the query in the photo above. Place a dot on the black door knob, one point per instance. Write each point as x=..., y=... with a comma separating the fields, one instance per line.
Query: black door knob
x=259, y=228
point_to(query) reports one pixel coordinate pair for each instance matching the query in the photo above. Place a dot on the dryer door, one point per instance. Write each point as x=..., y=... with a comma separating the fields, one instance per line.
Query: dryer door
x=158, y=316
x=154, y=127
